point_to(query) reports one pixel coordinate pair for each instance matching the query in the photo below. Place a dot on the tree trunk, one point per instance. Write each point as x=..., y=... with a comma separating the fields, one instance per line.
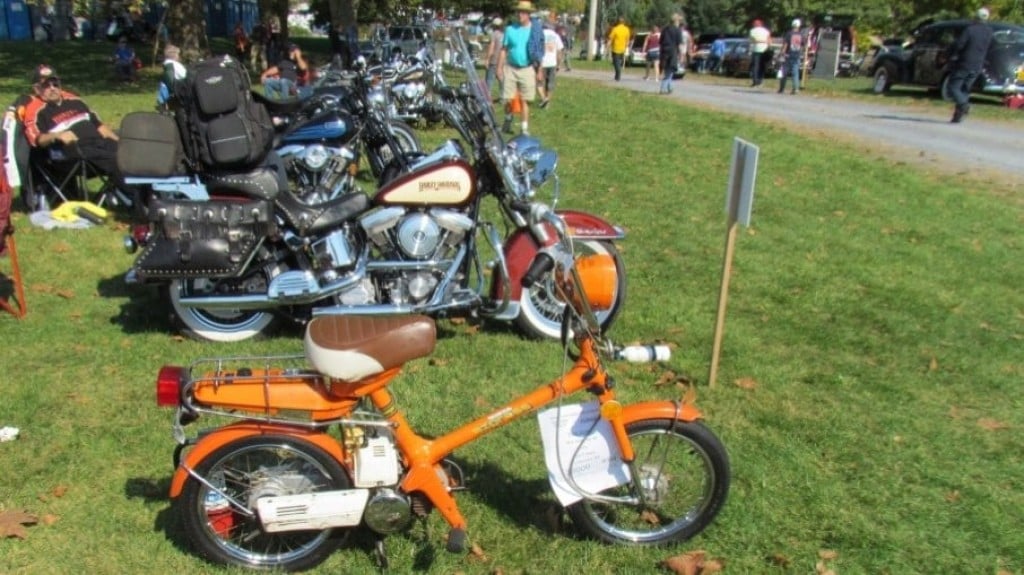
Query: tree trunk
x=187, y=29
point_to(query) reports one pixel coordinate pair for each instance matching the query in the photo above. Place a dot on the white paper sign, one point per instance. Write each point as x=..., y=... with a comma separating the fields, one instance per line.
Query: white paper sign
x=571, y=438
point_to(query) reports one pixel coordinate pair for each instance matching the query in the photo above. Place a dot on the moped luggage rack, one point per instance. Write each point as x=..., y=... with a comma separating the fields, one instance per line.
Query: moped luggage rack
x=254, y=377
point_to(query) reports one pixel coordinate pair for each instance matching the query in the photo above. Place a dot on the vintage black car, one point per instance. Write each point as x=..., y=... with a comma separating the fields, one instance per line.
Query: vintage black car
x=924, y=60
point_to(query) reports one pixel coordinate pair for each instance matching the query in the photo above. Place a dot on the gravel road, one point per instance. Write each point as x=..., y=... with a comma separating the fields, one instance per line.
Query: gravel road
x=976, y=146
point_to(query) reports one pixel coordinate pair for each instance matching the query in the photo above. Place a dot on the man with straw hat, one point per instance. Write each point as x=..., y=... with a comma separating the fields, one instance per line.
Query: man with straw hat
x=515, y=69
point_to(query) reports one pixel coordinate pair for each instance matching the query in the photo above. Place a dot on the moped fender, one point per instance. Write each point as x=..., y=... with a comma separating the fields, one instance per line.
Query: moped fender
x=221, y=437
x=660, y=410
x=520, y=248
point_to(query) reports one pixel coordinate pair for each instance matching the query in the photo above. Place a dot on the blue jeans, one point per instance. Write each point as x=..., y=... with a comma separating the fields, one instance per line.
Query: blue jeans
x=791, y=67
x=278, y=88
x=960, y=82
x=617, y=61
x=666, y=79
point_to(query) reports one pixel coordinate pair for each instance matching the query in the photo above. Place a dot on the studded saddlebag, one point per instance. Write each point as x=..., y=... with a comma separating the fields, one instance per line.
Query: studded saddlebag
x=214, y=239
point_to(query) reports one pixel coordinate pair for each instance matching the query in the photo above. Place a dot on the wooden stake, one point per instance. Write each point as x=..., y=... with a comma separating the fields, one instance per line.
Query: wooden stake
x=19, y=287
x=723, y=298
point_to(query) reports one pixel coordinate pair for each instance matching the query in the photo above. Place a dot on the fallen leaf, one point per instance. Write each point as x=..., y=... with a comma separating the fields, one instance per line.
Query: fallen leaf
x=953, y=496
x=457, y=320
x=955, y=412
x=477, y=552
x=712, y=566
x=650, y=517
x=685, y=564
x=828, y=554
x=178, y=338
x=66, y=294
x=747, y=383
x=49, y=519
x=780, y=560
x=933, y=365
x=822, y=569
x=666, y=377
x=12, y=524
x=438, y=362
x=59, y=491
x=61, y=248
x=990, y=424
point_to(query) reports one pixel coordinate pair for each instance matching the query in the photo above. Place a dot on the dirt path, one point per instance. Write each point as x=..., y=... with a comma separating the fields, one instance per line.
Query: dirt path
x=979, y=148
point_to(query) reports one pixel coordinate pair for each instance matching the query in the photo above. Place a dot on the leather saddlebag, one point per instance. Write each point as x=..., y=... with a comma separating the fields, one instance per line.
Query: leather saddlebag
x=212, y=239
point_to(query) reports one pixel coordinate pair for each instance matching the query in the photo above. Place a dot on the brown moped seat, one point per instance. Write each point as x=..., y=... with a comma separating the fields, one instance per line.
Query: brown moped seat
x=351, y=348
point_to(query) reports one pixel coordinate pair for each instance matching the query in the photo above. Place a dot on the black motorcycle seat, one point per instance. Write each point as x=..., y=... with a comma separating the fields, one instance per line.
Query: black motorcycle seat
x=311, y=219
x=262, y=183
x=352, y=348
x=285, y=107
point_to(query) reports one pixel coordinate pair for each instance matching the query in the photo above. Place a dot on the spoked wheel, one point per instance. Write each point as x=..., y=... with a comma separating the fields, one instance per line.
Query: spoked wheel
x=540, y=314
x=684, y=480
x=245, y=470
x=224, y=325
x=407, y=142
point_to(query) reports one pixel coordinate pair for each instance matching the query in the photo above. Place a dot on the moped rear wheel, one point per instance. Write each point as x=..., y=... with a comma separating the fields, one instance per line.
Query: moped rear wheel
x=247, y=469
x=684, y=479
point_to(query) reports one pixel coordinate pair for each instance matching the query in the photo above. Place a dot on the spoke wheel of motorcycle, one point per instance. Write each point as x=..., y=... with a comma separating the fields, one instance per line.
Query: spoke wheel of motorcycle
x=223, y=325
x=684, y=478
x=540, y=312
x=406, y=140
x=246, y=470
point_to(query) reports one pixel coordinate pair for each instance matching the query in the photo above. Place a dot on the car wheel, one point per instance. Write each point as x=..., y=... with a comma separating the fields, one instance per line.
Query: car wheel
x=883, y=79
x=944, y=89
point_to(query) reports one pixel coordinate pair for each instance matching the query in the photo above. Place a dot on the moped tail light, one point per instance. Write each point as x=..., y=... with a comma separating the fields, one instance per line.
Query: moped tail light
x=168, y=386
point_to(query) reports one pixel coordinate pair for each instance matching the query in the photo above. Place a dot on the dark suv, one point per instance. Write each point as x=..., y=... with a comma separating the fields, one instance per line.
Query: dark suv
x=923, y=61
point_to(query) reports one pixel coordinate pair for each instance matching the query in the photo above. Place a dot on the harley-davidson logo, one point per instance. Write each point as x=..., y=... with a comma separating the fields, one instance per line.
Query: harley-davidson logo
x=439, y=186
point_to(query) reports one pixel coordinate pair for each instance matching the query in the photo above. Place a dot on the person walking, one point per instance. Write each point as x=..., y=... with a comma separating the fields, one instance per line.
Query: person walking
x=258, y=47
x=568, y=34
x=791, y=55
x=491, y=57
x=968, y=57
x=618, y=41
x=515, y=70
x=553, y=49
x=760, y=39
x=671, y=49
x=716, y=54
x=652, y=51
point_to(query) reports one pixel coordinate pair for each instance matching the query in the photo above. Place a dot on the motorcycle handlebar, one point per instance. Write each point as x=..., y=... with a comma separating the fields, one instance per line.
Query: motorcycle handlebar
x=541, y=265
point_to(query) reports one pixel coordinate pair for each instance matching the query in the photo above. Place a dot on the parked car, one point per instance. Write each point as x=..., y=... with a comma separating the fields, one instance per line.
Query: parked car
x=636, y=55
x=736, y=61
x=699, y=60
x=923, y=61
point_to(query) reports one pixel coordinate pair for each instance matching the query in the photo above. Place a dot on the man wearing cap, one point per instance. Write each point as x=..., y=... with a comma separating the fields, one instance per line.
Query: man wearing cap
x=792, y=52
x=515, y=71
x=62, y=121
x=760, y=39
x=968, y=56
x=282, y=79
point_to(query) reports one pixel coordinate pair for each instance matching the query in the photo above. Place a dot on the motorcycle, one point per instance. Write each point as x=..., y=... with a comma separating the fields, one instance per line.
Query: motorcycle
x=322, y=138
x=254, y=253
x=275, y=490
x=406, y=89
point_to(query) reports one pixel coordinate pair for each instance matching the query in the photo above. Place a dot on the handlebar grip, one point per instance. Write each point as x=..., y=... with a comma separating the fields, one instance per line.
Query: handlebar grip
x=644, y=353
x=541, y=265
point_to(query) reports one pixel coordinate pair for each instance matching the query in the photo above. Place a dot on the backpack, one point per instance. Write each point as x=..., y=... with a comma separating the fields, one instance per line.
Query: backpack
x=535, y=45
x=221, y=126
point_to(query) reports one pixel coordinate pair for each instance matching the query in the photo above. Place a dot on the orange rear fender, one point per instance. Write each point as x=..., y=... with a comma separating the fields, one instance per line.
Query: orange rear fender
x=221, y=437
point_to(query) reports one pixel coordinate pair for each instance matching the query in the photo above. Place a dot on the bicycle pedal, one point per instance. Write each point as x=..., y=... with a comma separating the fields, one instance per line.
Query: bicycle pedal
x=456, y=540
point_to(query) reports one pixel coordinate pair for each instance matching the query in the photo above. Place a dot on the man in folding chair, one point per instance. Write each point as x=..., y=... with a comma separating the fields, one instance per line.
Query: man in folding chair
x=61, y=123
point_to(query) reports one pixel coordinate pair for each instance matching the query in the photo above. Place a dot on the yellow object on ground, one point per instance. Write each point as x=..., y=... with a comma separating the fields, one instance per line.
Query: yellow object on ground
x=72, y=211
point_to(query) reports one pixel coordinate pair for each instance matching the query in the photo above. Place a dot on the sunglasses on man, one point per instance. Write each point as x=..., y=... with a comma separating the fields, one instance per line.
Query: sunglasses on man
x=51, y=83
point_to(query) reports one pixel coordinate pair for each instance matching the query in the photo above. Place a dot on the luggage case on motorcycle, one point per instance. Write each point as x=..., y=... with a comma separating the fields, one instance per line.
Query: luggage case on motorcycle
x=224, y=128
x=213, y=239
x=150, y=146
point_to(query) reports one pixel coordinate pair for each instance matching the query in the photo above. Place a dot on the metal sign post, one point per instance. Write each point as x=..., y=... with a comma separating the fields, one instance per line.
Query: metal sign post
x=739, y=202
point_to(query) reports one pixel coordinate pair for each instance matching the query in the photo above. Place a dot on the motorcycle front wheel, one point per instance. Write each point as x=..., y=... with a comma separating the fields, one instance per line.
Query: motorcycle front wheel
x=407, y=142
x=684, y=479
x=245, y=470
x=223, y=325
x=540, y=311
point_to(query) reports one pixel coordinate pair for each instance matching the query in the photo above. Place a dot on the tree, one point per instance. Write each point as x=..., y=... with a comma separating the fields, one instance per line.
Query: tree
x=186, y=28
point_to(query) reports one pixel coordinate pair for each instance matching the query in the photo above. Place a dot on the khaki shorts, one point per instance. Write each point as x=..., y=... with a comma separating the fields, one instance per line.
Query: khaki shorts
x=522, y=80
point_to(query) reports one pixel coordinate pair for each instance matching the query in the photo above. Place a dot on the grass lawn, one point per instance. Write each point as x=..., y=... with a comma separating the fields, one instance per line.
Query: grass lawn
x=868, y=391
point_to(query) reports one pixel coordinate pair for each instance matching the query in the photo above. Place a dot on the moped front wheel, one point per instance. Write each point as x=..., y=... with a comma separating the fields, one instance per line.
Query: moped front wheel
x=683, y=482
x=245, y=470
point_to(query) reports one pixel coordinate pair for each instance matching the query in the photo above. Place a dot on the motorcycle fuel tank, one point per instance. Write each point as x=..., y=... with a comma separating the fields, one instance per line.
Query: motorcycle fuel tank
x=448, y=182
x=327, y=126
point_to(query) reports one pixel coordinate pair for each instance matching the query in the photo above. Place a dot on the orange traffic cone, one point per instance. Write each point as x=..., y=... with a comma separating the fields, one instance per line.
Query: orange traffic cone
x=516, y=105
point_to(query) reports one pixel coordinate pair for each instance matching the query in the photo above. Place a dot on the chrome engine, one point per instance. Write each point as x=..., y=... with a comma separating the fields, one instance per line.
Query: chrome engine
x=320, y=173
x=414, y=250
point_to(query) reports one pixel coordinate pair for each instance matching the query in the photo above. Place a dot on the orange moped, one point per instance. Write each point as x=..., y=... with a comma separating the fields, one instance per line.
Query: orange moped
x=319, y=446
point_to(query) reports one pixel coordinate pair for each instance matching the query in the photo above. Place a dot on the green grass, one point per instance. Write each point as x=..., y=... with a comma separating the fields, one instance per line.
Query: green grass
x=877, y=308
